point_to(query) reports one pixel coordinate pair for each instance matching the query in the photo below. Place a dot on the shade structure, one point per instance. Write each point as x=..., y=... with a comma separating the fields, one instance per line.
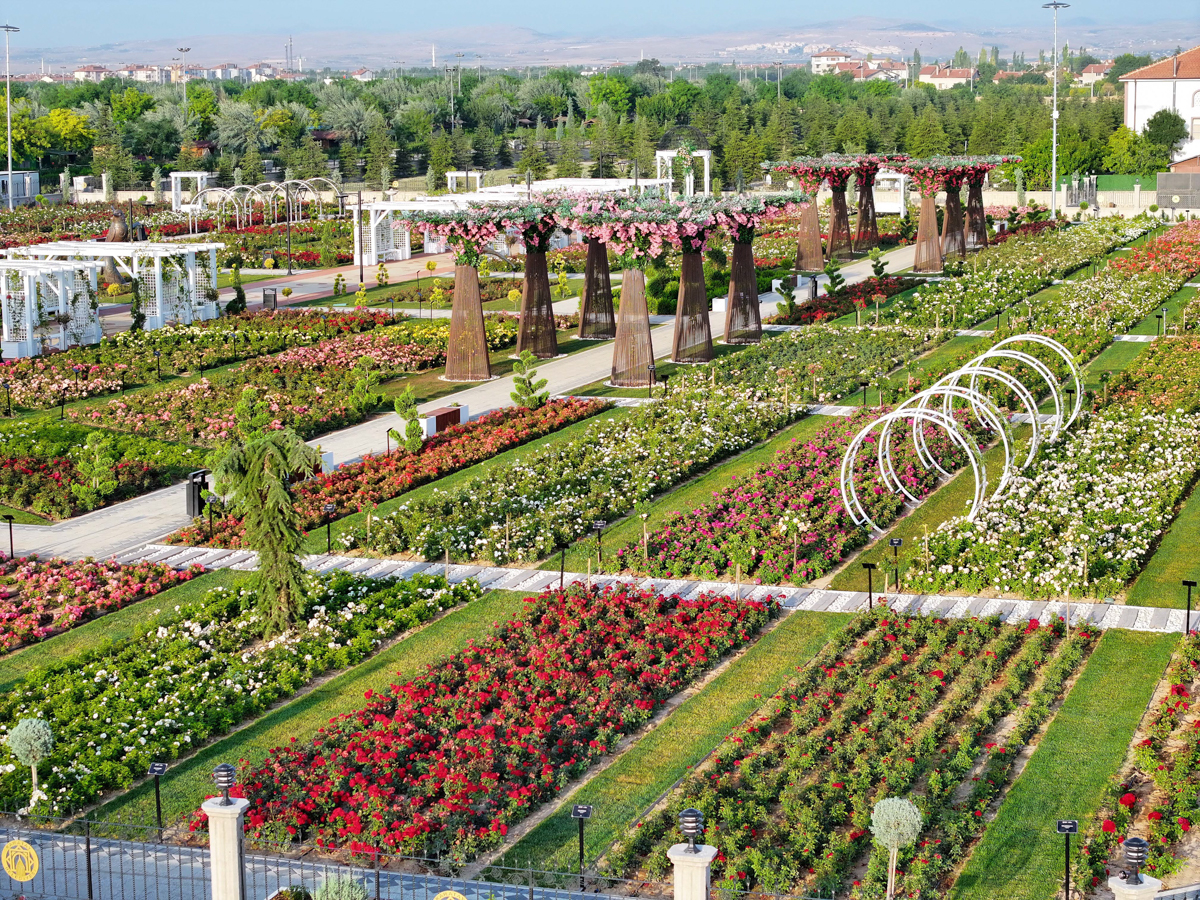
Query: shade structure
x=693, y=334
x=632, y=350
x=866, y=235
x=743, y=323
x=536, y=333
x=809, y=255
x=954, y=239
x=840, y=246
x=928, y=256
x=467, y=354
x=597, y=321
x=976, y=222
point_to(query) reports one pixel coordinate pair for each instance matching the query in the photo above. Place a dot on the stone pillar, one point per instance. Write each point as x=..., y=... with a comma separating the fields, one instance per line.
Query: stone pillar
x=227, y=850
x=1122, y=891
x=693, y=871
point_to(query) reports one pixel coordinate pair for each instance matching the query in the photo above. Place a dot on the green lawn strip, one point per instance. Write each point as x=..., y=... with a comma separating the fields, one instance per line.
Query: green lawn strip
x=225, y=279
x=685, y=497
x=119, y=625
x=316, y=539
x=22, y=517
x=651, y=766
x=1153, y=325
x=379, y=296
x=867, y=316
x=1160, y=583
x=188, y=782
x=1020, y=856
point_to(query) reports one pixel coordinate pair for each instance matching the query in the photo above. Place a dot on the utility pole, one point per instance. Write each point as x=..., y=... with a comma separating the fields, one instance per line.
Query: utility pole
x=778, y=80
x=8, y=29
x=1056, y=6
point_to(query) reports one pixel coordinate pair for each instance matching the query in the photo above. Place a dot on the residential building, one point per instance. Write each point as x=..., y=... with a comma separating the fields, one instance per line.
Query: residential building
x=1171, y=83
x=95, y=74
x=861, y=70
x=363, y=75
x=1095, y=72
x=1007, y=75
x=144, y=74
x=826, y=61
x=943, y=77
x=262, y=72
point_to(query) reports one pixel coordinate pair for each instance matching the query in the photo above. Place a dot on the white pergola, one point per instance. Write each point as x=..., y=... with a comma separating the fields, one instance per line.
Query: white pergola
x=379, y=238
x=202, y=179
x=665, y=159
x=48, y=304
x=452, y=179
x=891, y=182
x=172, y=278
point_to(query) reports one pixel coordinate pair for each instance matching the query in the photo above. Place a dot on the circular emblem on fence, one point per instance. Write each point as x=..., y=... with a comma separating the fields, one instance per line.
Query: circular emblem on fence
x=20, y=861
x=449, y=895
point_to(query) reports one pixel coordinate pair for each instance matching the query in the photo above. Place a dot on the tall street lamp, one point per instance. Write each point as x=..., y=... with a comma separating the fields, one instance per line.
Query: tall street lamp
x=183, y=73
x=8, y=29
x=1056, y=6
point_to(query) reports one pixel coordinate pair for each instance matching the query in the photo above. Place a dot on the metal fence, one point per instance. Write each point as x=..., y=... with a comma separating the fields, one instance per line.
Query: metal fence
x=84, y=860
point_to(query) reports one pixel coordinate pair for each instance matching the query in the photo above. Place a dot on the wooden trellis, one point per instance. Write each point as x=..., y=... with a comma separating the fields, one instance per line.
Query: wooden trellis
x=537, y=333
x=928, y=256
x=467, y=355
x=954, y=241
x=809, y=254
x=743, y=321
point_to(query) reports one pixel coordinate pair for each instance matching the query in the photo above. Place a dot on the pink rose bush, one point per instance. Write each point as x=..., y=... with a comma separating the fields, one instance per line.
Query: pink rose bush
x=450, y=760
x=41, y=598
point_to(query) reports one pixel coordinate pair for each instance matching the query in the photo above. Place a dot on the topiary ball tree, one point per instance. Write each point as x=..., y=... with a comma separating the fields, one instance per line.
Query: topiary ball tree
x=895, y=823
x=31, y=741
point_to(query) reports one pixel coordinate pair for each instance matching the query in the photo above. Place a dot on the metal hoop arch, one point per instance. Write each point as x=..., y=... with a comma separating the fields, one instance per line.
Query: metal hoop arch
x=1012, y=383
x=1056, y=347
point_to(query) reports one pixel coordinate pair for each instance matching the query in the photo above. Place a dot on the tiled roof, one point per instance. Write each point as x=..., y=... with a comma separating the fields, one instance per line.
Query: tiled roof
x=1185, y=65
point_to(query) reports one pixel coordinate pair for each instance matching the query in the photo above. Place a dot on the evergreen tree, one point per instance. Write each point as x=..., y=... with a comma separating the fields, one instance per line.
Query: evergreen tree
x=483, y=143
x=380, y=147
x=569, y=157
x=225, y=166
x=257, y=475
x=251, y=165
x=926, y=136
x=460, y=142
x=441, y=159
x=529, y=392
x=533, y=160
x=308, y=159
x=348, y=157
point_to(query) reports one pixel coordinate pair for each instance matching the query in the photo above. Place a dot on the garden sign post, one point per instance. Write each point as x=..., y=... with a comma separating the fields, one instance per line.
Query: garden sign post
x=1067, y=827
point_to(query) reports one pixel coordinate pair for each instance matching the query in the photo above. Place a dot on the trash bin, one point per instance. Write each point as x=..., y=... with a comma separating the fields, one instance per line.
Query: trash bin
x=270, y=298
x=197, y=484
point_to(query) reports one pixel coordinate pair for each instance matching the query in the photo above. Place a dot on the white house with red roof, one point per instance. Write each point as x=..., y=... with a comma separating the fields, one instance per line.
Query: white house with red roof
x=1171, y=83
x=1094, y=73
x=943, y=77
x=826, y=61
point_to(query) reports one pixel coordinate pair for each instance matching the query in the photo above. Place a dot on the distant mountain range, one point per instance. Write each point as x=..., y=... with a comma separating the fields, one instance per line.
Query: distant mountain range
x=511, y=46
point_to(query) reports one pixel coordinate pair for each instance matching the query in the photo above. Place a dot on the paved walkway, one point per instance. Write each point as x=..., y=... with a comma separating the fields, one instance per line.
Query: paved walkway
x=151, y=517
x=1102, y=615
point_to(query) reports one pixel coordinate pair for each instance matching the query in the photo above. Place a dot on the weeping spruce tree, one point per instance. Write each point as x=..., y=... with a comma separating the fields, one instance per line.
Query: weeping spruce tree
x=256, y=475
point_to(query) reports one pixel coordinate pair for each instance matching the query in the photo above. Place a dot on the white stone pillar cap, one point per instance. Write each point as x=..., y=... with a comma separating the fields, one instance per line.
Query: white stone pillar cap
x=680, y=855
x=1122, y=891
x=216, y=808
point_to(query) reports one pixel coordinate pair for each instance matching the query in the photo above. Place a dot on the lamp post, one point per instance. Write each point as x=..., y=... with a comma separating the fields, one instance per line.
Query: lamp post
x=598, y=527
x=581, y=813
x=158, y=770
x=362, y=278
x=870, y=567
x=224, y=777
x=896, y=544
x=8, y=517
x=8, y=397
x=863, y=385
x=778, y=80
x=184, y=51
x=649, y=387
x=1056, y=6
x=691, y=823
x=287, y=191
x=1187, y=622
x=158, y=365
x=1163, y=313
x=329, y=509
x=8, y=29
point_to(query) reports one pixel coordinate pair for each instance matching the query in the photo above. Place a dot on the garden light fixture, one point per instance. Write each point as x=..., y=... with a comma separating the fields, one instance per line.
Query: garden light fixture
x=9, y=517
x=691, y=823
x=1187, y=624
x=224, y=776
x=329, y=509
x=1136, y=850
x=870, y=567
x=649, y=387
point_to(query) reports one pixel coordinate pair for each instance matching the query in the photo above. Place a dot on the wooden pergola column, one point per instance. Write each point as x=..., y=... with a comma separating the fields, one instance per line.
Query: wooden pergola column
x=954, y=240
x=632, y=351
x=976, y=221
x=467, y=354
x=810, y=256
x=597, y=322
x=840, y=245
x=693, y=335
x=928, y=256
x=743, y=321
x=536, y=332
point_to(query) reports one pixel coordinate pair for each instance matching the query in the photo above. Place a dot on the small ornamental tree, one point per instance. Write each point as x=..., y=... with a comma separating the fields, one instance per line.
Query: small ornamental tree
x=528, y=393
x=257, y=477
x=895, y=823
x=97, y=469
x=31, y=742
x=406, y=408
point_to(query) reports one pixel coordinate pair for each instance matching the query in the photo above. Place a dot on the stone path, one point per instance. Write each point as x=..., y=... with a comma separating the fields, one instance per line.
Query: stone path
x=1101, y=615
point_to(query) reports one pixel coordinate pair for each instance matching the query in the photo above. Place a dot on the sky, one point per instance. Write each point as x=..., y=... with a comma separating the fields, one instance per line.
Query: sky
x=95, y=22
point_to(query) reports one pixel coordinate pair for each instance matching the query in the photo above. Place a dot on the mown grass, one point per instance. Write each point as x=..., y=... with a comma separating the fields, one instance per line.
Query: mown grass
x=20, y=517
x=115, y=626
x=1153, y=324
x=1021, y=856
x=1160, y=583
x=627, y=788
x=315, y=542
x=188, y=782
x=684, y=498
